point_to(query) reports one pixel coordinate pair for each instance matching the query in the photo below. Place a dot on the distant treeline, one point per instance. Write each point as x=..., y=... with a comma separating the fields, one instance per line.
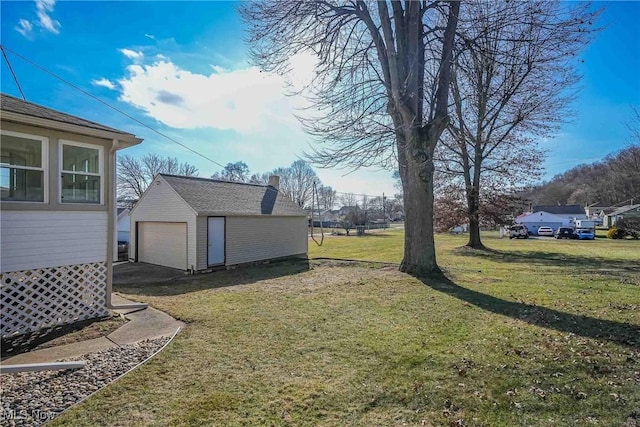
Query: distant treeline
x=614, y=180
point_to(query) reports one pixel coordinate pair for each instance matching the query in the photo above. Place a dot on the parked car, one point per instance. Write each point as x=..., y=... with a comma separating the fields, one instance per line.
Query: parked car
x=585, y=234
x=545, y=231
x=518, y=231
x=565, y=233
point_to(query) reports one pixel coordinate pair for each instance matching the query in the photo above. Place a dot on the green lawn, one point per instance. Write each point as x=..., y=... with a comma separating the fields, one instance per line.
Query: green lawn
x=531, y=332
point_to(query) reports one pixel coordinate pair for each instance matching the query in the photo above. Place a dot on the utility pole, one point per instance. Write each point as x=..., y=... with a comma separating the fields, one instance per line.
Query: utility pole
x=384, y=213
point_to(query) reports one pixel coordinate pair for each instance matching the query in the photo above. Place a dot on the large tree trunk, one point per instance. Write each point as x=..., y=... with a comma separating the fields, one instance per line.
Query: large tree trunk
x=416, y=172
x=473, y=200
x=474, y=233
x=473, y=210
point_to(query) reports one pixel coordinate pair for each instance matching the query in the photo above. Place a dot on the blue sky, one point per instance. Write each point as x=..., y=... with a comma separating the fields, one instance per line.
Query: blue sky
x=192, y=57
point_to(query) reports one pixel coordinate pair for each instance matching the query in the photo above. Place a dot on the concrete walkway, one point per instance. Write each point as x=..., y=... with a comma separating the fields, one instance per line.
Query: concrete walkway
x=143, y=324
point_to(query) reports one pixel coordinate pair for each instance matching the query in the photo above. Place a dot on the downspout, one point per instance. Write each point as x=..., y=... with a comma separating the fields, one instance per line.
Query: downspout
x=111, y=230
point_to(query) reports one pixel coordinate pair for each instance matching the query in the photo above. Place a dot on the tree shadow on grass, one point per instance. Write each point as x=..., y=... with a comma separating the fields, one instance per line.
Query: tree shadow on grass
x=589, y=327
x=559, y=259
x=183, y=284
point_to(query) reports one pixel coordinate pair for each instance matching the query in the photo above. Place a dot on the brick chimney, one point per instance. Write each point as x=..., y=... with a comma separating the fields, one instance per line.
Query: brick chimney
x=274, y=181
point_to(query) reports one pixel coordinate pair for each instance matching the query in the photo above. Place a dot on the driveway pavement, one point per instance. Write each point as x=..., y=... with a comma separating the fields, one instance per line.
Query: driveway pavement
x=140, y=272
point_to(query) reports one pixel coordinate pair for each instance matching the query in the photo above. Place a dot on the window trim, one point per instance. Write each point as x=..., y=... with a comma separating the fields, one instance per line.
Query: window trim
x=100, y=174
x=44, y=162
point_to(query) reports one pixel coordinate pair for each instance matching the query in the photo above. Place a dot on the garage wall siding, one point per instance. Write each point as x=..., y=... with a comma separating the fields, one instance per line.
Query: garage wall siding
x=259, y=238
x=202, y=242
x=162, y=204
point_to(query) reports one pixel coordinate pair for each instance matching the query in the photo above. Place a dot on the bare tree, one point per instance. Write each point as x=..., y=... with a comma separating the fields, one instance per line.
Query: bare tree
x=326, y=197
x=296, y=181
x=615, y=180
x=135, y=174
x=349, y=200
x=634, y=126
x=513, y=80
x=260, y=178
x=395, y=207
x=236, y=172
x=379, y=93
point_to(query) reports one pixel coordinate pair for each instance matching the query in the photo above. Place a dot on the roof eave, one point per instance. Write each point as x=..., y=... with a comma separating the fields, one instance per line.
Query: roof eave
x=248, y=214
x=125, y=139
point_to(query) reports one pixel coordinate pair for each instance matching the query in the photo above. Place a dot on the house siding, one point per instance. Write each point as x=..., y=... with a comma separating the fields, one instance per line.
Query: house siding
x=41, y=239
x=162, y=204
x=259, y=238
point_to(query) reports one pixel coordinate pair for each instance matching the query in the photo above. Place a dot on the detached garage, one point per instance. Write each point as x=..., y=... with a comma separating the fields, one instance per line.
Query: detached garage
x=535, y=220
x=193, y=223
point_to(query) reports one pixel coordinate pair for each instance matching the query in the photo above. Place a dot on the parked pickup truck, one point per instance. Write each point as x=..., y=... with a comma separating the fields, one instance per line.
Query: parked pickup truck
x=585, y=223
x=518, y=231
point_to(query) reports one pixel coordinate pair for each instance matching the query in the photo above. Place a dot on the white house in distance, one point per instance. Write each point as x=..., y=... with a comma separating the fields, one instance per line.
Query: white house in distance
x=196, y=224
x=570, y=212
x=554, y=216
x=57, y=183
x=535, y=220
x=124, y=224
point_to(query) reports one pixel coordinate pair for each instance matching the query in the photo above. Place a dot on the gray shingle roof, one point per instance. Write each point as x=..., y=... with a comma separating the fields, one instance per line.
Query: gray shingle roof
x=624, y=209
x=16, y=105
x=212, y=197
x=560, y=210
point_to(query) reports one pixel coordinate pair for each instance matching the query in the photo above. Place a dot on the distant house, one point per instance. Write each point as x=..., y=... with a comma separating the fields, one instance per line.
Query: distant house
x=629, y=211
x=571, y=212
x=593, y=212
x=194, y=224
x=326, y=218
x=345, y=210
x=58, y=216
x=124, y=224
x=535, y=220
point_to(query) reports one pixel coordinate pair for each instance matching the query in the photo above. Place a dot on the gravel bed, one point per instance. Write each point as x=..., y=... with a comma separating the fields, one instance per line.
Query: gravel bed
x=33, y=398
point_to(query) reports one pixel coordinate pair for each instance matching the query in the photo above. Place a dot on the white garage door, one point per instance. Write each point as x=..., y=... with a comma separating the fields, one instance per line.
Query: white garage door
x=163, y=243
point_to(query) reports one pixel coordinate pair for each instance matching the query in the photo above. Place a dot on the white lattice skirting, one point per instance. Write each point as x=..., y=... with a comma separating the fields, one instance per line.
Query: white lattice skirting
x=42, y=298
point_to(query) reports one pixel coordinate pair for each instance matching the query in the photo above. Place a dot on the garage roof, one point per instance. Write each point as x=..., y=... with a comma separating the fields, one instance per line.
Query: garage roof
x=560, y=209
x=213, y=197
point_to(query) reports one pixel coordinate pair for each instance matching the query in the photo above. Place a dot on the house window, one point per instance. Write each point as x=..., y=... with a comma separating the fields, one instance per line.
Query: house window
x=22, y=167
x=82, y=173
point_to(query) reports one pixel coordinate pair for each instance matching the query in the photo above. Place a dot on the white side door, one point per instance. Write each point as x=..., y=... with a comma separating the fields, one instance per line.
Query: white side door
x=215, y=240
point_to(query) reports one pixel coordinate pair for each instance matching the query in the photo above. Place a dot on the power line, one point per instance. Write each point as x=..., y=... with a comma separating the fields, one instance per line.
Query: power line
x=52, y=74
x=79, y=89
x=15, y=78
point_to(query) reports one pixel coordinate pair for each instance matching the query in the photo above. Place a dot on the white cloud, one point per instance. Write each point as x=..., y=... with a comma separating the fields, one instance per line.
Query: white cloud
x=24, y=27
x=104, y=83
x=245, y=100
x=132, y=54
x=43, y=9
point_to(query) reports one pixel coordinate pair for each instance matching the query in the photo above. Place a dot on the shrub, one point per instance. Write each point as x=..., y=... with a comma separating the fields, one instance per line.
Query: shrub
x=624, y=229
x=628, y=227
x=615, y=233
